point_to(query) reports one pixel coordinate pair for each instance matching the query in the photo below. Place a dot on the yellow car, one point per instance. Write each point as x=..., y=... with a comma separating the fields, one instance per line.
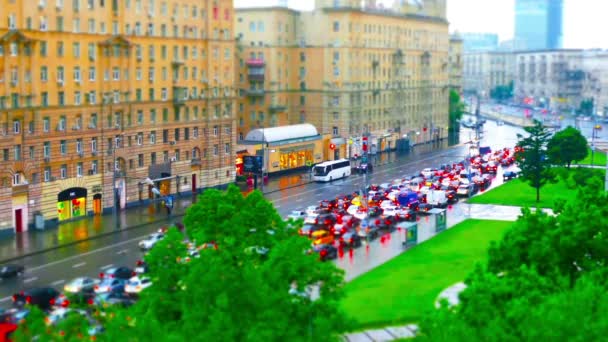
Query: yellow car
x=322, y=237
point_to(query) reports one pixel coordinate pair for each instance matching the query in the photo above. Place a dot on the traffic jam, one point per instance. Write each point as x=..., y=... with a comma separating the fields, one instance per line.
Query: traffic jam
x=345, y=222
x=350, y=220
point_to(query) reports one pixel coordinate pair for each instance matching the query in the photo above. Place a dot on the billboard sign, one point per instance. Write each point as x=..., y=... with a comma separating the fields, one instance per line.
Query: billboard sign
x=253, y=164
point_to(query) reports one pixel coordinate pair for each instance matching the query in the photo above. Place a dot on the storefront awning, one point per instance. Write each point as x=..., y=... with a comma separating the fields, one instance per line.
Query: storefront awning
x=338, y=141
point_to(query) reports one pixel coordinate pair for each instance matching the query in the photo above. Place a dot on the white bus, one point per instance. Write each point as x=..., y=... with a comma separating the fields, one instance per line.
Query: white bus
x=330, y=170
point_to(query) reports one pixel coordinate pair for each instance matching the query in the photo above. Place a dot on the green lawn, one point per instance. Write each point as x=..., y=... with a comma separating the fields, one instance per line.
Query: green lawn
x=599, y=158
x=404, y=288
x=518, y=193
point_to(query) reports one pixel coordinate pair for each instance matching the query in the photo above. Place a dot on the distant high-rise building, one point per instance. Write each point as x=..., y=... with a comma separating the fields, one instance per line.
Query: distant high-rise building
x=538, y=24
x=479, y=41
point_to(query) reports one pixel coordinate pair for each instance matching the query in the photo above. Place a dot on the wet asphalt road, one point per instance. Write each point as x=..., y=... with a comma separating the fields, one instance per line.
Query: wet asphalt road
x=89, y=258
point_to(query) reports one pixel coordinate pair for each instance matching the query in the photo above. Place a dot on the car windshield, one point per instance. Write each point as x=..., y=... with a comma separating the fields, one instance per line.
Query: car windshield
x=319, y=171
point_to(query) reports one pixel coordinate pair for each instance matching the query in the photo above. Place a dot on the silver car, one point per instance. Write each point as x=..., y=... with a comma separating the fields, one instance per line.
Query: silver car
x=80, y=284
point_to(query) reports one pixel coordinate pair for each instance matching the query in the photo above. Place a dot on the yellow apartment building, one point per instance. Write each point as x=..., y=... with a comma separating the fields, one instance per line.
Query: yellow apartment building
x=98, y=96
x=348, y=69
x=456, y=62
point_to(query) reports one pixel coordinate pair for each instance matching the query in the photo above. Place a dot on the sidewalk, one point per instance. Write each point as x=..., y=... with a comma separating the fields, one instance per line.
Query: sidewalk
x=66, y=233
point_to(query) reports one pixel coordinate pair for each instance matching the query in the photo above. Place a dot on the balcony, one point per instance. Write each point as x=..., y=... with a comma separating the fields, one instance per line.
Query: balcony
x=255, y=76
x=277, y=107
x=179, y=96
x=255, y=63
x=255, y=92
x=195, y=162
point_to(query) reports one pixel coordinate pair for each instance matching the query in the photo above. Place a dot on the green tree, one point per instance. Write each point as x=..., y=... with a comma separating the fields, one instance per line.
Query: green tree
x=546, y=279
x=533, y=162
x=502, y=92
x=260, y=283
x=566, y=146
x=456, y=110
x=586, y=107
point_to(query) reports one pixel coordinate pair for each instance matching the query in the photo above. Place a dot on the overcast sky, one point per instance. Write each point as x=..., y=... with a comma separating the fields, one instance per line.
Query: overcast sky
x=583, y=19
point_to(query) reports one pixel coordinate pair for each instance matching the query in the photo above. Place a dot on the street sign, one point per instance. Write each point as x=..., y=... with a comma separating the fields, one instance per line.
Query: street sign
x=350, y=141
x=309, y=163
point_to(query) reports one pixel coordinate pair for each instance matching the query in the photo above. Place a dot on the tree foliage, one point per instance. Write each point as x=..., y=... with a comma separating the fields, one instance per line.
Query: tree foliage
x=586, y=107
x=456, y=108
x=566, y=146
x=533, y=162
x=259, y=282
x=545, y=280
x=502, y=92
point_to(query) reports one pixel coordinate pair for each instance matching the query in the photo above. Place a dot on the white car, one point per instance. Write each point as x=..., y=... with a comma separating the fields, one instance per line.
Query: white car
x=386, y=204
x=428, y=172
x=352, y=210
x=391, y=211
x=311, y=210
x=152, y=240
x=360, y=214
x=296, y=214
x=80, y=284
x=136, y=284
x=57, y=315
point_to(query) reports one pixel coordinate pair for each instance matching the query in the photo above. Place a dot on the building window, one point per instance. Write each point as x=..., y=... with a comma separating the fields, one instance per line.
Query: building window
x=336, y=26
x=153, y=137
x=17, y=152
x=79, y=169
x=63, y=171
x=215, y=150
x=16, y=126
x=63, y=149
x=335, y=131
x=227, y=148
x=47, y=174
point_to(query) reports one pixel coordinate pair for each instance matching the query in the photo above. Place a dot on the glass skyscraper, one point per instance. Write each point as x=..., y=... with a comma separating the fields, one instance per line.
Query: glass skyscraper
x=538, y=24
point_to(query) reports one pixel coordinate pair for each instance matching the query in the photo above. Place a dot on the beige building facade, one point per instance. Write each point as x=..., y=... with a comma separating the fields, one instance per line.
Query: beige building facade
x=347, y=69
x=550, y=78
x=98, y=96
x=456, y=63
x=485, y=70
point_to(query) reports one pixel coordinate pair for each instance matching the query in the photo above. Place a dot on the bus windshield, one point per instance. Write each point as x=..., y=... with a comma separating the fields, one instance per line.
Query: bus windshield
x=319, y=171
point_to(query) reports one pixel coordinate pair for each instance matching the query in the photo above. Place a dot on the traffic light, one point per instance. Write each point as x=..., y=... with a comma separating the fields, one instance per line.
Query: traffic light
x=332, y=146
x=364, y=146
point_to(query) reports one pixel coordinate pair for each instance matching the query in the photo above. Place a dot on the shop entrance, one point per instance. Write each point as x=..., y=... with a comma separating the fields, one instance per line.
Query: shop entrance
x=18, y=220
x=97, y=204
x=194, y=183
x=71, y=203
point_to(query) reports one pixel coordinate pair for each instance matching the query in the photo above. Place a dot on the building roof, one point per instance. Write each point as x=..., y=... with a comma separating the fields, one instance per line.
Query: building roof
x=283, y=133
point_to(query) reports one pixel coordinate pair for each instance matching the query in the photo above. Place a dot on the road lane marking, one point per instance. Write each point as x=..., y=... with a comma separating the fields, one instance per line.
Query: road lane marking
x=106, y=266
x=79, y=256
x=124, y=251
x=80, y=264
x=277, y=206
x=299, y=199
x=29, y=280
x=5, y=299
x=58, y=282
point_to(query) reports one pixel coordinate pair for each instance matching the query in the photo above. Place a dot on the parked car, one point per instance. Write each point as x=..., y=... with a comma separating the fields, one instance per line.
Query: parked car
x=452, y=196
x=508, y=175
x=322, y=237
x=152, y=240
x=364, y=167
x=80, y=284
x=424, y=208
x=350, y=239
x=137, y=284
x=141, y=267
x=42, y=297
x=110, y=285
x=11, y=271
x=296, y=214
x=112, y=298
x=326, y=252
x=465, y=190
x=308, y=229
x=122, y=272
